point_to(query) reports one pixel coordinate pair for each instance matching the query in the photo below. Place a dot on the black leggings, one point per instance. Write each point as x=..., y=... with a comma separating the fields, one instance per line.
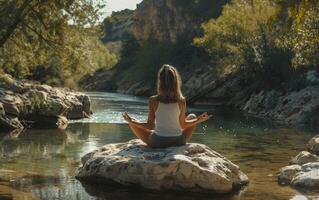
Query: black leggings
x=157, y=141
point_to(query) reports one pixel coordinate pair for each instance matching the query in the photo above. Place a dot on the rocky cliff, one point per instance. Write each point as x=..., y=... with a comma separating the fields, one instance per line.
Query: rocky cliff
x=161, y=31
x=170, y=19
x=118, y=26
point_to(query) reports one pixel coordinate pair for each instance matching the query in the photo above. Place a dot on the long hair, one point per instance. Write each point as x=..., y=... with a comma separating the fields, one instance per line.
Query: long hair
x=169, y=85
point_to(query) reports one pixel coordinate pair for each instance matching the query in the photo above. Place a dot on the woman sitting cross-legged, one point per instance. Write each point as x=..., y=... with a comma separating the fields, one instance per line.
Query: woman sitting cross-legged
x=167, y=124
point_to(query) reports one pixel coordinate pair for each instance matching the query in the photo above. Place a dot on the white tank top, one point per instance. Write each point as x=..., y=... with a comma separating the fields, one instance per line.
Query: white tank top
x=167, y=120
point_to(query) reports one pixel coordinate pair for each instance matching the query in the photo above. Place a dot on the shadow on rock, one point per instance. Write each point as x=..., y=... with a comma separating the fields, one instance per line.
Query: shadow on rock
x=111, y=190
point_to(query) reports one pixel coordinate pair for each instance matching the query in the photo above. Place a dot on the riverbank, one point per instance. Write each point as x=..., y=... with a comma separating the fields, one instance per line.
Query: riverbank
x=25, y=104
x=295, y=103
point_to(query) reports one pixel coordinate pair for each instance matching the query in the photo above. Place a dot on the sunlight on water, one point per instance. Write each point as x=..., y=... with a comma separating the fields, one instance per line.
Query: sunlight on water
x=41, y=164
x=119, y=103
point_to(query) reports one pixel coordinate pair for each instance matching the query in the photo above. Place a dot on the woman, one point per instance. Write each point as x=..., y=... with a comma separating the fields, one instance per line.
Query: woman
x=167, y=124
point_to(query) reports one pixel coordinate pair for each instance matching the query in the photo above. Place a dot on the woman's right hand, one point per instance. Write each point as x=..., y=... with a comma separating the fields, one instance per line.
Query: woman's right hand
x=127, y=118
x=203, y=117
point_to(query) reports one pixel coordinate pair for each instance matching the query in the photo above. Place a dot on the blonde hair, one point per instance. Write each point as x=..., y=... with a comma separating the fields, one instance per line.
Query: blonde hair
x=169, y=85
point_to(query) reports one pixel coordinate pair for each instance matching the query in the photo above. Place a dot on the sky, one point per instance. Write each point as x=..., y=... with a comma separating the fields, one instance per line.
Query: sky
x=117, y=5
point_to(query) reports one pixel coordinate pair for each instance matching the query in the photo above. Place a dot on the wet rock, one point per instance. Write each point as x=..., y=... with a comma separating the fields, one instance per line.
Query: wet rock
x=313, y=145
x=287, y=173
x=304, y=157
x=304, y=173
x=308, y=177
x=192, y=167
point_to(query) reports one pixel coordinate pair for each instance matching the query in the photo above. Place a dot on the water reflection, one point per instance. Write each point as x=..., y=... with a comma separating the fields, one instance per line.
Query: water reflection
x=40, y=164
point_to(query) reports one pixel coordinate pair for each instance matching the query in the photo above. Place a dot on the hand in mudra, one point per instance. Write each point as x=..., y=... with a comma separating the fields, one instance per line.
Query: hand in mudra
x=128, y=119
x=204, y=117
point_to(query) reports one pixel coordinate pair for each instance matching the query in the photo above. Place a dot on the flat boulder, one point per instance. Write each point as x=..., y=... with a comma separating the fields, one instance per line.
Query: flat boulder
x=192, y=168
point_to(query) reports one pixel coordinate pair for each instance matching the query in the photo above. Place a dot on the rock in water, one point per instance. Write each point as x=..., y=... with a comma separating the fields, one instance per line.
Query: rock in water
x=304, y=173
x=39, y=105
x=192, y=167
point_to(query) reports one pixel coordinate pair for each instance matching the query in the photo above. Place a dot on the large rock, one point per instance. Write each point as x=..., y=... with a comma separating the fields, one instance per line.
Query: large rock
x=192, y=167
x=297, y=108
x=166, y=20
x=39, y=105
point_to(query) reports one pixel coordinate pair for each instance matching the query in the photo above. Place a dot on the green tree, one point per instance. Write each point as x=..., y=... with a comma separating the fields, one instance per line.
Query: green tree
x=55, y=36
x=298, y=23
x=240, y=37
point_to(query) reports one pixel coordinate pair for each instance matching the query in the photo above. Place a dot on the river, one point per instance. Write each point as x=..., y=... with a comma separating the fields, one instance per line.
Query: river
x=40, y=164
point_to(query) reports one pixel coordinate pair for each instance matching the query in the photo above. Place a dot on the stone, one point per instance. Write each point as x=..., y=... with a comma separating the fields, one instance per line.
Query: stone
x=313, y=145
x=312, y=76
x=44, y=88
x=80, y=106
x=8, y=123
x=192, y=168
x=304, y=157
x=287, y=173
x=304, y=173
x=12, y=104
x=308, y=177
x=296, y=108
x=39, y=105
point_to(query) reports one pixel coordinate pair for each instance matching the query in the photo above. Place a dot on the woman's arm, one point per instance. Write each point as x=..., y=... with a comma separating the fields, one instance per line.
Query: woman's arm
x=186, y=123
x=151, y=116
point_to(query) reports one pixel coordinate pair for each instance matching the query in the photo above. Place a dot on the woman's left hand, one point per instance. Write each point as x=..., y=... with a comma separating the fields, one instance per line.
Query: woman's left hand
x=204, y=117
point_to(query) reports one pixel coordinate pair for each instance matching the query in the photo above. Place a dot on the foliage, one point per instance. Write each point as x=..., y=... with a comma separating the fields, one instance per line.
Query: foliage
x=141, y=60
x=268, y=39
x=299, y=24
x=239, y=34
x=51, y=41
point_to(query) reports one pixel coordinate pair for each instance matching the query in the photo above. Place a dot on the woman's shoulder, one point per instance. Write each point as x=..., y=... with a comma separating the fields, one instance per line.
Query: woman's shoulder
x=182, y=100
x=153, y=98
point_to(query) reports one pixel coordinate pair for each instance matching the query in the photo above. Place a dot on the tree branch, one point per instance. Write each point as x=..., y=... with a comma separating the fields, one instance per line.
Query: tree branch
x=21, y=13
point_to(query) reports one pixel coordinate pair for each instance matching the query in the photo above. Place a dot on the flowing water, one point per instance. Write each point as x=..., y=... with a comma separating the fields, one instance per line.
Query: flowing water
x=40, y=164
